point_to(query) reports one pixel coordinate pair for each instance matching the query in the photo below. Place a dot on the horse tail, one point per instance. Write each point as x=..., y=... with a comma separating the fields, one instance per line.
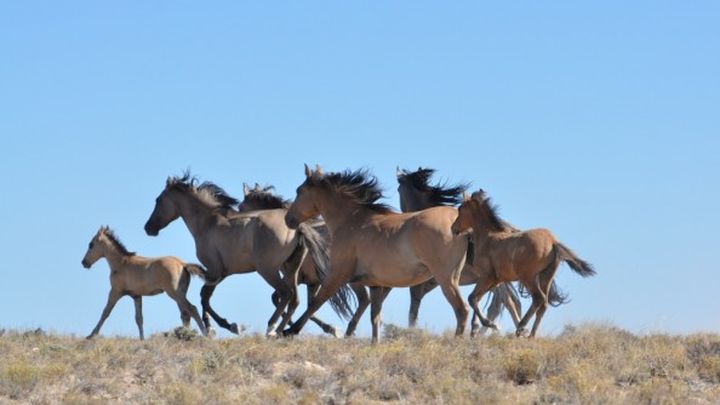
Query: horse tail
x=195, y=270
x=496, y=302
x=556, y=296
x=578, y=265
x=319, y=252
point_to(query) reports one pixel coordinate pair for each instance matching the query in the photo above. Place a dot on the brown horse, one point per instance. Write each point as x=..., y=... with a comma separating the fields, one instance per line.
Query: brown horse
x=263, y=198
x=417, y=194
x=377, y=247
x=227, y=242
x=532, y=257
x=138, y=276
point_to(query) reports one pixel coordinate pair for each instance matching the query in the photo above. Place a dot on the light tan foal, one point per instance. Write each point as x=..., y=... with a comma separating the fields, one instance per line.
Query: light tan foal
x=138, y=276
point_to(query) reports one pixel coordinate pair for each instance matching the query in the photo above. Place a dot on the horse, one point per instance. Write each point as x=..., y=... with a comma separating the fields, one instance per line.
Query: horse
x=417, y=194
x=228, y=242
x=263, y=198
x=138, y=276
x=377, y=247
x=531, y=257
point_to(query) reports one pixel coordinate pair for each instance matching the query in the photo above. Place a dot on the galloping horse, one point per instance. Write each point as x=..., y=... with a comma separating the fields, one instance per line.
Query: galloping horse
x=417, y=194
x=263, y=198
x=377, y=247
x=138, y=276
x=532, y=257
x=228, y=243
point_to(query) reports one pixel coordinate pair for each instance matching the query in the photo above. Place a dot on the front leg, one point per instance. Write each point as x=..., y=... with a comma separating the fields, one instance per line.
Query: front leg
x=113, y=297
x=139, y=316
x=341, y=271
x=377, y=296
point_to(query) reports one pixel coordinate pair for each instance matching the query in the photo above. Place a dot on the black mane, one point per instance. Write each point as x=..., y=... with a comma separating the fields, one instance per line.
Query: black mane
x=359, y=185
x=219, y=194
x=440, y=193
x=116, y=242
x=265, y=199
x=492, y=210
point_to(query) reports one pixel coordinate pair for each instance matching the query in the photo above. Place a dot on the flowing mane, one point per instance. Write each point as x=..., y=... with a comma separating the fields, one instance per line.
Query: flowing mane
x=496, y=223
x=116, y=242
x=359, y=185
x=208, y=192
x=440, y=193
x=264, y=198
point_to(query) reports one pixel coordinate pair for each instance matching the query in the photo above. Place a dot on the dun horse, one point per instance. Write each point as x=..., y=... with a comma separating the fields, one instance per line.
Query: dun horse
x=417, y=194
x=227, y=243
x=258, y=198
x=377, y=247
x=141, y=276
x=532, y=257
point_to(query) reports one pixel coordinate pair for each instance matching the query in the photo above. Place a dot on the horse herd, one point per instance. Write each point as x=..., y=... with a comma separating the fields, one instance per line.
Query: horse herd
x=338, y=240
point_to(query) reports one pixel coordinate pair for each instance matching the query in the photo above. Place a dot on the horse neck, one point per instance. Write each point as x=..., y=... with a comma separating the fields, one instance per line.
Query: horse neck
x=194, y=213
x=337, y=211
x=114, y=258
x=481, y=231
x=415, y=201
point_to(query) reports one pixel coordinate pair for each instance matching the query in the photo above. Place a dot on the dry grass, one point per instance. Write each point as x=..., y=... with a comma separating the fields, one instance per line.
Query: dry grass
x=589, y=364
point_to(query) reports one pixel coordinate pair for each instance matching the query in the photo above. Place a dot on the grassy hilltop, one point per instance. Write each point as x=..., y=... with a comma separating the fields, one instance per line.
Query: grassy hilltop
x=588, y=364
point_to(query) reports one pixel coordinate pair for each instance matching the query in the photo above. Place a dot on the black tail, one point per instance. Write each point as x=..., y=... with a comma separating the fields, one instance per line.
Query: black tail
x=556, y=296
x=496, y=302
x=578, y=265
x=195, y=270
x=318, y=248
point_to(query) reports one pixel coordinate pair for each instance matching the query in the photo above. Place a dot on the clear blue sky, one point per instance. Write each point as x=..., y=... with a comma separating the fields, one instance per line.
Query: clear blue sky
x=598, y=121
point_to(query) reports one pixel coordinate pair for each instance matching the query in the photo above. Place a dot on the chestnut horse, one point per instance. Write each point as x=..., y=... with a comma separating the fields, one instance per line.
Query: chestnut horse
x=263, y=198
x=532, y=257
x=417, y=194
x=376, y=247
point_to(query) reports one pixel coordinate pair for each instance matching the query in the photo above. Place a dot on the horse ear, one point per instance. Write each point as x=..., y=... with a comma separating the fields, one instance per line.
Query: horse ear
x=168, y=181
x=466, y=196
x=246, y=189
x=318, y=170
x=257, y=187
x=398, y=172
x=308, y=172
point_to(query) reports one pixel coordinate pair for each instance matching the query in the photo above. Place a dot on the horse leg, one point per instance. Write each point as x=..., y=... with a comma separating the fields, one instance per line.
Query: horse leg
x=363, y=300
x=186, y=307
x=184, y=317
x=283, y=291
x=377, y=296
x=417, y=293
x=538, y=297
x=291, y=271
x=205, y=293
x=452, y=294
x=113, y=297
x=340, y=274
x=139, y=316
x=544, y=280
x=312, y=290
x=484, y=284
x=512, y=303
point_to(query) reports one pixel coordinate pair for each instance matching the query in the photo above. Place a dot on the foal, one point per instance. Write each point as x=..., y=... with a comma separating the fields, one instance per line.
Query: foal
x=532, y=257
x=137, y=276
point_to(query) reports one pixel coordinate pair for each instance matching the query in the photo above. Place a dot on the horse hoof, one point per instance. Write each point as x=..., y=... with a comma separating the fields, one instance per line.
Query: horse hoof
x=289, y=332
x=271, y=334
x=520, y=332
x=234, y=328
x=337, y=333
x=89, y=337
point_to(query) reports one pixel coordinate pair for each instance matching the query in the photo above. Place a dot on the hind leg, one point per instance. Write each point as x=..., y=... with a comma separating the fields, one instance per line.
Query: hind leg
x=187, y=307
x=539, y=299
x=417, y=293
x=184, y=317
x=544, y=280
x=363, y=300
x=377, y=296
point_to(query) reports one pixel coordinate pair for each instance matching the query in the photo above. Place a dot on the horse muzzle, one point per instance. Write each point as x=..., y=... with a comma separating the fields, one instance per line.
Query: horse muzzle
x=85, y=264
x=291, y=222
x=150, y=229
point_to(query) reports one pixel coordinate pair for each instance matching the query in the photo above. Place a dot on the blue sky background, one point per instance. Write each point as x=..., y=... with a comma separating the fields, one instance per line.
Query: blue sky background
x=598, y=121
